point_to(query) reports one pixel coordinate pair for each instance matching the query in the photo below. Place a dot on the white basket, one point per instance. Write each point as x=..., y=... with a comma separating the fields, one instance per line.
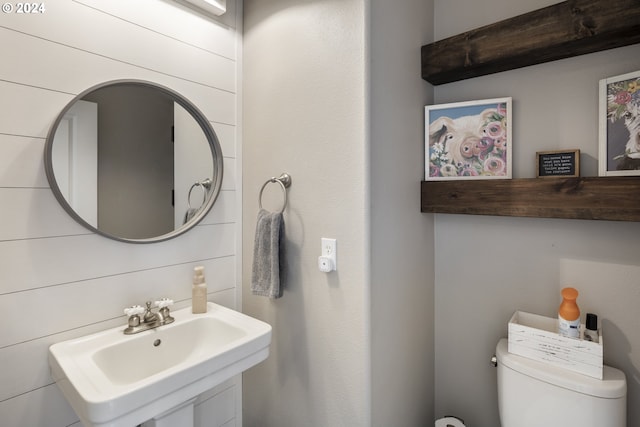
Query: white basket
x=536, y=337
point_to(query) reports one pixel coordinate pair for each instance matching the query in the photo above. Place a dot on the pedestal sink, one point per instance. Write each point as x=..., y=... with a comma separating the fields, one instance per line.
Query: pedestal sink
x=112, y=379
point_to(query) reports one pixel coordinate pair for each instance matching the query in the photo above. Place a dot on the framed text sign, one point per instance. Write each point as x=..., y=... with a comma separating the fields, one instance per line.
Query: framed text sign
x=562, y=163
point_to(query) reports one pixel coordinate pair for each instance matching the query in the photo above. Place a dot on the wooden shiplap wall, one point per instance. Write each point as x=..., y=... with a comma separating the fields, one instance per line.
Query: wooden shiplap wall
x=58, y=280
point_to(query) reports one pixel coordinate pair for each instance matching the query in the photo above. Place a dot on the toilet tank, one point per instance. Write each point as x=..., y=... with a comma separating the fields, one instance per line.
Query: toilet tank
x=534, y=394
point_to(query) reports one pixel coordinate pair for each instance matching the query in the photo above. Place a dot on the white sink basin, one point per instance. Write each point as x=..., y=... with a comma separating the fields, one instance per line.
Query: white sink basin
x=113, y=379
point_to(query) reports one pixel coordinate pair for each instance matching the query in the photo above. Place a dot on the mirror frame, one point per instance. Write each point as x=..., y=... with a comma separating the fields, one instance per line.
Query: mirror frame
x=198, y=116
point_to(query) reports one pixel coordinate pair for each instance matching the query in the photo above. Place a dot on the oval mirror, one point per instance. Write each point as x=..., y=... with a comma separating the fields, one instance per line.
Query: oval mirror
x=134, y=161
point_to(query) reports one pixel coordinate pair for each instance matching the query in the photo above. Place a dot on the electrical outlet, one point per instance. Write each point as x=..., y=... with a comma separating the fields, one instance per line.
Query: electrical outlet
x=329, y=251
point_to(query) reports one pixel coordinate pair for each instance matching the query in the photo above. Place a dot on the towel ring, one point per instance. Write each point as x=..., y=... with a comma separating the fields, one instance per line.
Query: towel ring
x=205, y=185
x=285, y=182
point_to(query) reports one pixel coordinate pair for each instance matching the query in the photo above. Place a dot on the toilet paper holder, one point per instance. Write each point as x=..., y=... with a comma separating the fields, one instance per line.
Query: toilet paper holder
x=450, y=421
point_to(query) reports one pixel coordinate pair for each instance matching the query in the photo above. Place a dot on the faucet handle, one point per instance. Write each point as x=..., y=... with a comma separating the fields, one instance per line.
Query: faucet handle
x=134, y=310
x=164, y=302
x=163, y=305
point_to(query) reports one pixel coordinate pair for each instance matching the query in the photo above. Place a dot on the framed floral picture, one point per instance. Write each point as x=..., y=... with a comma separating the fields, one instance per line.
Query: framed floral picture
x=468, y=140
x=619, y=124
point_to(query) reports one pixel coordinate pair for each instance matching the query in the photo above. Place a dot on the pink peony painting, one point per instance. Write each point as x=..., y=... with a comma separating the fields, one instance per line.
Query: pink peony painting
x=468, y=140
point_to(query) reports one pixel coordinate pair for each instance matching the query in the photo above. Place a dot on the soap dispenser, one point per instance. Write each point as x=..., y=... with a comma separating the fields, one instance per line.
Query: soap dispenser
x=199, y=291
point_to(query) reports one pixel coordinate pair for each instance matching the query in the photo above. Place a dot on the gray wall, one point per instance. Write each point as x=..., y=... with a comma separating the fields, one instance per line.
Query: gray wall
x=333, y=96
x=402, y=251
x=304, y=113
x=488, y=267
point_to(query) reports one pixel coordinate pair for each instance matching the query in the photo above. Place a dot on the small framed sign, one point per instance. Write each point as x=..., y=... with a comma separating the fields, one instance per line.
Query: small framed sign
x=561, y=163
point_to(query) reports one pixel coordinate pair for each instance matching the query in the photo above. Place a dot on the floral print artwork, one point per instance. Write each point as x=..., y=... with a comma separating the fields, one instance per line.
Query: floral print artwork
x=469, y=142
x=623, y=105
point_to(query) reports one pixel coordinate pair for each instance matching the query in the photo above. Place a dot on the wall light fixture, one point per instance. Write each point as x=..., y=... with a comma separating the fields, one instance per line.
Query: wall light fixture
x=215, y=7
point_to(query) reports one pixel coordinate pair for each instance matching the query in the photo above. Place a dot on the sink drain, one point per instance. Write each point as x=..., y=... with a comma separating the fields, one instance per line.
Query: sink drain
x=157, y=343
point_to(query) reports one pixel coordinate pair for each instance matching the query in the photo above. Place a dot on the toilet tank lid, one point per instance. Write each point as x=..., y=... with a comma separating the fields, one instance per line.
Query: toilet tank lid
x=612, y=386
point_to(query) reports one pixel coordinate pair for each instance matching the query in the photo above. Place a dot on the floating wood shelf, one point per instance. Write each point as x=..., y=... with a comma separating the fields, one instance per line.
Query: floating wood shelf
x=563, y=30
x=598, y=198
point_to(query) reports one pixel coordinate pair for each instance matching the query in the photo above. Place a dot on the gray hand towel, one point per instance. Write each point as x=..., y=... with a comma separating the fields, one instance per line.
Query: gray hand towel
x=268, y=255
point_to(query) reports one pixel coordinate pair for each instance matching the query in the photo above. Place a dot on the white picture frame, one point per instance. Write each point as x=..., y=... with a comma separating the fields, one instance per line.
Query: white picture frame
x=619, y=125
x=469, y=140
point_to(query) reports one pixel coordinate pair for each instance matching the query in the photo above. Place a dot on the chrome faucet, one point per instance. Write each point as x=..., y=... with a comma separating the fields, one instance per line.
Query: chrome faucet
x=150, y=319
